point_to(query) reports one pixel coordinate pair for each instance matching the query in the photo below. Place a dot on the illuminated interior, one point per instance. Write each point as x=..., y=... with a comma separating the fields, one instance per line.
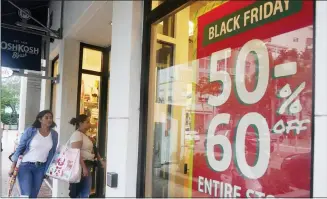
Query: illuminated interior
x=178, y=96
x=92, y=59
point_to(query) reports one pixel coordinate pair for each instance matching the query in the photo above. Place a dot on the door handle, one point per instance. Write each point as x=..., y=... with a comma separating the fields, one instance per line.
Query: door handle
x=185, y=169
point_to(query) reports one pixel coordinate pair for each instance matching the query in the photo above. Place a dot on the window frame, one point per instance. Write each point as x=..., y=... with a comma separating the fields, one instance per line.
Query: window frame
x=104, y=75
x=170, y=7
x=52, y=82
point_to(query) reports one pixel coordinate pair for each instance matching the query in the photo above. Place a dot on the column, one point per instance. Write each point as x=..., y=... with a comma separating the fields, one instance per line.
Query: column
x=123, y=124
x=66, y=102
x=30, y=95
x=46, y=90
x=320, y=117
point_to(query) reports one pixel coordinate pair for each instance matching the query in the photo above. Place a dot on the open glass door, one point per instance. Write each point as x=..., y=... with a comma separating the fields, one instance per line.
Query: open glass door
x=93, y=81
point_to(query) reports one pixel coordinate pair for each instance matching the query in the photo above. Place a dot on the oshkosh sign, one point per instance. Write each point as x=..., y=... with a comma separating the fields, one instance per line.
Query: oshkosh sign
x=20, y=50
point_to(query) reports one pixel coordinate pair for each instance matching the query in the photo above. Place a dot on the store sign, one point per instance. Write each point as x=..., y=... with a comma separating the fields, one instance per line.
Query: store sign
x=20, y=50
x=257, y=14
x=6, y=72
x=258, y=143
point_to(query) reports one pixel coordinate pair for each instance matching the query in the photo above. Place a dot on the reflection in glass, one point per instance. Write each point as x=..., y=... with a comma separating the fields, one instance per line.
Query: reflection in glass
x=156, y=3
x=184, y=111
x=166, y=27
x=54, y=87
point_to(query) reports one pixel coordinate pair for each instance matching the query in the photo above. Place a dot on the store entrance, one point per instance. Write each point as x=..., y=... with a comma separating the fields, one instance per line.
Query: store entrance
x=93, y=84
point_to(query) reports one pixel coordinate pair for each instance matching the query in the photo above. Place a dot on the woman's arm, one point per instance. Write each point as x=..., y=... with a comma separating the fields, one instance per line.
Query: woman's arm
x=103, y=163
x=78, y=145
x=20, y=149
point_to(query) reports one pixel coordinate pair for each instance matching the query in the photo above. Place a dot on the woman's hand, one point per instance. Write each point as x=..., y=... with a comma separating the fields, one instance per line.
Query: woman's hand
x=11, y=171
x=85, y=171
x=103, y=164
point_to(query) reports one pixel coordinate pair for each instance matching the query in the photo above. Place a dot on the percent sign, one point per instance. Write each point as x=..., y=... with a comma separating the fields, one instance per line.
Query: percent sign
x=291, y=103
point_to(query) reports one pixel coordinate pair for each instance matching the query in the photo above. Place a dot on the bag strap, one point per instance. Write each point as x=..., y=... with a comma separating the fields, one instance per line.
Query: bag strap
x=71, y=138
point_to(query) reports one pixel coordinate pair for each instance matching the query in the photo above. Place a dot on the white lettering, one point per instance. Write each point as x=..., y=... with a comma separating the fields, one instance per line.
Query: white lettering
x=229, y=29
x=254, y=15
x=261, y=12
x=216, y=31
x=220, y=76
x=216, y=184
x=19, y=48
x=297, y=125
x=278, y=6
x=228, y=190
x=207, y=187
x=263, y=155
x=271, y=9
x=236, y=192
x=248, y=192
x=286, y=4
x=252, y=97
x=236, y=22
x=211, y=33
x=246, y=17
x=200, y=184
x=223, y=28
x=224, y=162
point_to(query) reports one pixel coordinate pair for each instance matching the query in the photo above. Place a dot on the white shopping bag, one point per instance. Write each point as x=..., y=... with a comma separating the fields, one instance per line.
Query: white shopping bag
x=65, y=165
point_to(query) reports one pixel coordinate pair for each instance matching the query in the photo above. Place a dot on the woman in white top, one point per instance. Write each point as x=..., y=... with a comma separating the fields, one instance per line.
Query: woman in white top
x=80, y=140
x=37, y=146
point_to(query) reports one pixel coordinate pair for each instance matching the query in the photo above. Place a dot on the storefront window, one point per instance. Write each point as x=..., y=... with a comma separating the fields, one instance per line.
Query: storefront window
x=167, y=27
x=92, y=59
x=94, y=80
x=230, y=102
x=89, y=104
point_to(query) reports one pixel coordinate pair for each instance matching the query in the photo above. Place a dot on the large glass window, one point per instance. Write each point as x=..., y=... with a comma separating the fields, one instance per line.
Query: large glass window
x=230, y=101
x=92, y=59
x=89, y=105
x=166, y=27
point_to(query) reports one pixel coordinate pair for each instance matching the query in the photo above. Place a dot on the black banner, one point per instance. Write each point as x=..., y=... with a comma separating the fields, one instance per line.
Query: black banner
x=37, y=9
x=20, y=50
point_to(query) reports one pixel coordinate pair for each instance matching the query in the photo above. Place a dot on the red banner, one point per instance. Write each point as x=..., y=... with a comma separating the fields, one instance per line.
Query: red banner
x=258, y=61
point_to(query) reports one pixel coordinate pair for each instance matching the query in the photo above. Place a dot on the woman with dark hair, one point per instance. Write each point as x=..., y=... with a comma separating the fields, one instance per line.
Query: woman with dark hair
x=37, y=145
x=80, y=140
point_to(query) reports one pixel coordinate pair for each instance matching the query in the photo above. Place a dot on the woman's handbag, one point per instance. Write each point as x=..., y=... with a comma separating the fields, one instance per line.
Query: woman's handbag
x=65, y=165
